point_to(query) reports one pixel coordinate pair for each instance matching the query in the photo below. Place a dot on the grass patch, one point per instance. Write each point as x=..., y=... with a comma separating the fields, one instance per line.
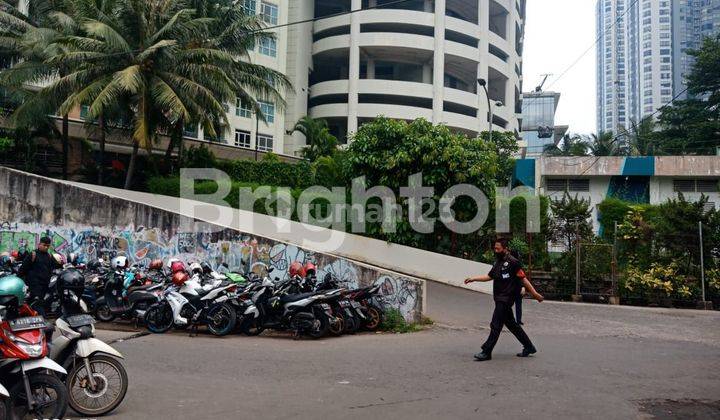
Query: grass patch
x=395, y=322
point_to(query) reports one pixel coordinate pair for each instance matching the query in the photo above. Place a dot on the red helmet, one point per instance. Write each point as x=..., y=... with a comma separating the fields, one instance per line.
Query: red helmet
x=180, y=278
x=310, y=268
x=177, y=266
x=297, y=269
x=156, y=265
x=15, y=255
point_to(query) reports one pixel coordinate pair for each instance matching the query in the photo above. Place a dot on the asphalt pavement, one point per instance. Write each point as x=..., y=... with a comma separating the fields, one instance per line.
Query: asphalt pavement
x=594, y=361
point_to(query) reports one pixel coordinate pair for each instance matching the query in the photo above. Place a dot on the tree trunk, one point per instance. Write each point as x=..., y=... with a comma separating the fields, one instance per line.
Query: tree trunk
x=65, y=145
x=131, y=166
x=101, y=166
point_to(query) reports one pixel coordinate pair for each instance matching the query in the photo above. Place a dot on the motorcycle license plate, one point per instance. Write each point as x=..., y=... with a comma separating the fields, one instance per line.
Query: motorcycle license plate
x=27, y=323
x=77, y=321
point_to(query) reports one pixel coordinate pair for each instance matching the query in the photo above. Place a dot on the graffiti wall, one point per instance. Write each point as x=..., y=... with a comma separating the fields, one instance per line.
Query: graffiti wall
x=21, y=228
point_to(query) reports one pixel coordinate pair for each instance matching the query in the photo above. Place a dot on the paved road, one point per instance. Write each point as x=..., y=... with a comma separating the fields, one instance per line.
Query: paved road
x=594, y=362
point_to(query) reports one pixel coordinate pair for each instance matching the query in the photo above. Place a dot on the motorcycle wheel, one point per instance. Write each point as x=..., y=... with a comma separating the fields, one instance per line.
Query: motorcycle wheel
x=251, y=327
x=351, y=325
x=374, y=315
x=112, y=382
x=49, y=394
x=103, y=313
x=336, y=326
x=5, y=409
x=221, y=320
x=321, y=327
x=159, y=318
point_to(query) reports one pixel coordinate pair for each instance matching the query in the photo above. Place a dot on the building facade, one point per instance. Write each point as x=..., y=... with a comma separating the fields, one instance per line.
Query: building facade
x=642, y=58
x=538, y=122
x=649, y=179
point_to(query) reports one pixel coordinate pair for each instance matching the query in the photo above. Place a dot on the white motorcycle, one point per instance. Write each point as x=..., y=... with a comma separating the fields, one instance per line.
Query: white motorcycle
x=193, y=304
x=79, y=352
x=5, y=407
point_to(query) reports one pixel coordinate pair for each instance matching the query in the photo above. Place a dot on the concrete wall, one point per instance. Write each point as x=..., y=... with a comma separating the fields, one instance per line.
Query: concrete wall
x=97, y=224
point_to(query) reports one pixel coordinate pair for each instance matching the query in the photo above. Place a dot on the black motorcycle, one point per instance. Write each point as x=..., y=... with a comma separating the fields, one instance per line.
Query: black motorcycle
x=128, y=304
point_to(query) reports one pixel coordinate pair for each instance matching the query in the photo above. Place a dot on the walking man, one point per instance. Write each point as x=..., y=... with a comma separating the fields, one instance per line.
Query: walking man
x=508, y=278
x=37, y=269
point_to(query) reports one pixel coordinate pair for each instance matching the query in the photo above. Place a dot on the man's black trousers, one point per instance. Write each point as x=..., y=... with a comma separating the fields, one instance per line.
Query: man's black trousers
x=503, y=315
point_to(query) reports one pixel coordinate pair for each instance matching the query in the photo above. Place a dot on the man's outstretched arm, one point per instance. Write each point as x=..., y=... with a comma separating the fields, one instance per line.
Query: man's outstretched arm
x=529, y=287
x=481, y=278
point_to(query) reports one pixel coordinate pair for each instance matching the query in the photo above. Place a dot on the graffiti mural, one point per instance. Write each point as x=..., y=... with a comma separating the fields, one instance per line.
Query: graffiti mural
x=240, y=252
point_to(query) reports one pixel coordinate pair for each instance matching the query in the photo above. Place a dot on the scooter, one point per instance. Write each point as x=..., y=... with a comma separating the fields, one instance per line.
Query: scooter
x=301, y=313
x=193, y=304
x=115, y=304
x=5, y=407
x=79, y=352
x=24, y=367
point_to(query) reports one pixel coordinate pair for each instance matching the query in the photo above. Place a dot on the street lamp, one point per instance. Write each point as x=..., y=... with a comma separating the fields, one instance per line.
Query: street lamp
x=483, y=84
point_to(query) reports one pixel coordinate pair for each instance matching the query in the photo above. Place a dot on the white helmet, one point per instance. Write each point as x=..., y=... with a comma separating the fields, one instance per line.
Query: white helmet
x=196, y=267
x=118, y=263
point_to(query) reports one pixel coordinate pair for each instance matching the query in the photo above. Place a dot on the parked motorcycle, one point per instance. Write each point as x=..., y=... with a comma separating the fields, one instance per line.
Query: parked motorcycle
x=186, y=302
x=96, y=379
x=24, y=367
x=125, y=295
x=277, y=309
x=5, y=407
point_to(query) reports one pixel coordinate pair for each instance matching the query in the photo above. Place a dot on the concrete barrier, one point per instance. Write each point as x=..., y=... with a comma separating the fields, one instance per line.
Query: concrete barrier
x=99, y=222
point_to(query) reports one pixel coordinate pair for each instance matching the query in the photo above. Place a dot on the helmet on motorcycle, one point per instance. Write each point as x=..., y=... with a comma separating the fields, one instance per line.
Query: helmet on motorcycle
x=12, y=291
x=297, y=269
x=176, y=266
x=196, y=268
x=155, y=265
x=180, y=278
x=206, y=268
x=70, y=280
x=59, y=259
x=119, y=263
x=310, y=268
x=15, y=255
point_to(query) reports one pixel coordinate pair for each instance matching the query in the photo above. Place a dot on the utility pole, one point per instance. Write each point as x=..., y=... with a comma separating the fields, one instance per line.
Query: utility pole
x=702, y=265
x=257, y=130
x=577, y=297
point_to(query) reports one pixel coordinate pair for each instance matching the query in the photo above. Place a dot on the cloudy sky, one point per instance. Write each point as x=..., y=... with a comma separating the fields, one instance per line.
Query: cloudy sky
x=557, y=32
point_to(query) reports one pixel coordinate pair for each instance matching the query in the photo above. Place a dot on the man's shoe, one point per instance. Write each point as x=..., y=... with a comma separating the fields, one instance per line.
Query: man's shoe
x=527, y=352
x=482, y=356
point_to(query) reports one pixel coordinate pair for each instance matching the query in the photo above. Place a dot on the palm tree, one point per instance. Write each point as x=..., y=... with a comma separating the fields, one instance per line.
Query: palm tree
x=641, y=137
x=319, y=140
x=603, y=144
x=161, y=62
x=570, y=145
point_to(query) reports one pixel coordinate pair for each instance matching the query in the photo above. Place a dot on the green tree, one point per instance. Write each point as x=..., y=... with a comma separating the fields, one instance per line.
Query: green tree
x=318, y=138
x=506, y=146
x=570, y=220
x=642, y=138
x=603, y=144
x=167, y=64
x=693, y=126
x=570, y=145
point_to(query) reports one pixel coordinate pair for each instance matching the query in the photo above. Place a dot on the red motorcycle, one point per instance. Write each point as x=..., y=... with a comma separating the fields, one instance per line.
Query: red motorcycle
x=25, y=368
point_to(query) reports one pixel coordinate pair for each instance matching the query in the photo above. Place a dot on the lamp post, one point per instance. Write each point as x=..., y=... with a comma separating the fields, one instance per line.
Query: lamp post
x=257, y=129
x=483, y=85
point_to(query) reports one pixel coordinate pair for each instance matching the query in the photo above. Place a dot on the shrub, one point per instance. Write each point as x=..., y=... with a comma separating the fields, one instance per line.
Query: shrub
x=199, y=157
x=395, y=322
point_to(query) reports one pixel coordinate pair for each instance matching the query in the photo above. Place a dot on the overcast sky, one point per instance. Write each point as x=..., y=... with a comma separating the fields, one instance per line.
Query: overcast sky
x=557, y=32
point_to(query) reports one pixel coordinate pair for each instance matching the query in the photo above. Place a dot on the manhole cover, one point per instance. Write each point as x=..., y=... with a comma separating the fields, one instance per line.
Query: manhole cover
x=680, y=409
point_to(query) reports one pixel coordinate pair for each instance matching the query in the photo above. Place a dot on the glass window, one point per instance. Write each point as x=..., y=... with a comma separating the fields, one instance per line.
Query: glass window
x=268, y=110
x=242, y=109
x=269, y=13
x=242, y=139
x=265, y=143
x=268, y=46
x=249, y=7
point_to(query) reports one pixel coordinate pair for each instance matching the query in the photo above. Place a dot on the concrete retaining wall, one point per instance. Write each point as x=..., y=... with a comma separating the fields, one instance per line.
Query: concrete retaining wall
x=97, y=224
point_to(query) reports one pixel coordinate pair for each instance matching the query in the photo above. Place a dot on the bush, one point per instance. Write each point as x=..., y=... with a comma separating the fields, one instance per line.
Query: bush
x=612, y=210
x=395, y=322
x=6, y=144
x=199, y=157
x=298, y=175
x=327, y=172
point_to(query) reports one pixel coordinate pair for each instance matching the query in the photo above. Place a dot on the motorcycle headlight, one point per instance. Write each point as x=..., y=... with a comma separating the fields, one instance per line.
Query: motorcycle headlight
x=32, y=350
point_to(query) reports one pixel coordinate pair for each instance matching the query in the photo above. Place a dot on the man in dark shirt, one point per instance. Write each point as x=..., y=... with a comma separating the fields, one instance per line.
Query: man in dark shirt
x=37, y=269
x=508, y=279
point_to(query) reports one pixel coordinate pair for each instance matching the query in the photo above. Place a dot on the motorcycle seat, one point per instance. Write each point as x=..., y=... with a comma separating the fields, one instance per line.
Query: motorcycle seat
x=296, y=297
x=137, y=288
